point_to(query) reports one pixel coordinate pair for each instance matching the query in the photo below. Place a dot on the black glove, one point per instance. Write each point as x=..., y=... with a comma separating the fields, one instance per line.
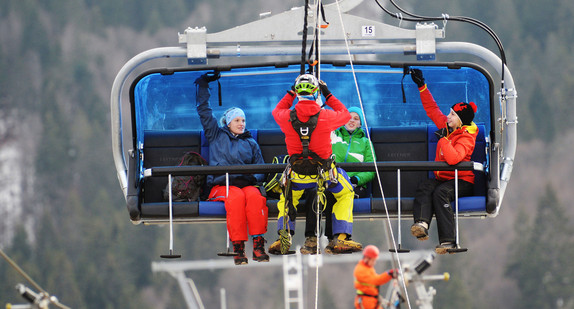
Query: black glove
x=393, y=273
x=206, y=78
x=324, y=90
x=355, y=180
x=292, y=91
x=444, y=132
x=212, y=76
x=417, y=76
x=261, y=187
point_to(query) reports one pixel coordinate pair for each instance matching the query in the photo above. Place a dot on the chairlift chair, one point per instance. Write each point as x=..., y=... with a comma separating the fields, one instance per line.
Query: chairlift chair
x=154, y=117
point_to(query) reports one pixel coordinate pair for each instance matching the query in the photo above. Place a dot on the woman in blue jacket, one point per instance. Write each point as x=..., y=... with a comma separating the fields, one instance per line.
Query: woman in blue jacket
x=232, y=144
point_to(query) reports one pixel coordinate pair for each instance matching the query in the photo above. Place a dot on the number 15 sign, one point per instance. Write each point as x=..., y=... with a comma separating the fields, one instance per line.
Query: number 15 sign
x=368, y=30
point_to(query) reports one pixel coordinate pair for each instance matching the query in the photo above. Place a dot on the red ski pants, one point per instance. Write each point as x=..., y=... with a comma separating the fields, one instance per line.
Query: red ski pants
x=245, y=207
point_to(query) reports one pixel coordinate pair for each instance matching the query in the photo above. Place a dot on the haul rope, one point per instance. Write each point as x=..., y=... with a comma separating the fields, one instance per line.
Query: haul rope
x=388, y=218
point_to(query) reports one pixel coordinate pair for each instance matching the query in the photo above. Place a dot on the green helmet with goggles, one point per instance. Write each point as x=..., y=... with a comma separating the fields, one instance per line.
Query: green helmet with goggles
x=306, y=84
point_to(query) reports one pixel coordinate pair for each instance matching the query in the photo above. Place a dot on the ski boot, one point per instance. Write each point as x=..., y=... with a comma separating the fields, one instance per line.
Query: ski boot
x=239, y=248
x=343, y=244
x=420, y=230
x=443, y=247
x=310, y=246
x=259, y=254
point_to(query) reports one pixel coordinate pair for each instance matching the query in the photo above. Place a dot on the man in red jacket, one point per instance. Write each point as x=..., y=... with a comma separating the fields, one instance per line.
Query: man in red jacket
x=457, y=138
x=311, y=148
x=367, y=281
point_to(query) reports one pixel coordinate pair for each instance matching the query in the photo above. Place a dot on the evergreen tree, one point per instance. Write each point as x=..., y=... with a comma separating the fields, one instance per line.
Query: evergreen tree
x=457, y=292
x=538, y=105
x=19, y=252
x=540, y=262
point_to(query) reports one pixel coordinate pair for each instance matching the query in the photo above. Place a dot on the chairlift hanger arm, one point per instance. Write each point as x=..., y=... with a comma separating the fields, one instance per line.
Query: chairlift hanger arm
x=286, y=27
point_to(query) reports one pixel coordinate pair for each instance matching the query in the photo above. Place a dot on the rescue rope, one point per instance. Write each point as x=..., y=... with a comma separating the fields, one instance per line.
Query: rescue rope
x=320, y=180
x=321, y=200
x=285, y=233
x=389, y=225
x=304, y=41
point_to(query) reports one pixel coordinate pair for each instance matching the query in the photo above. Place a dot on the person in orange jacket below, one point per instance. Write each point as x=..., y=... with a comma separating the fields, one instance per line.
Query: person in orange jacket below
x=367, y=281
x=457, y=138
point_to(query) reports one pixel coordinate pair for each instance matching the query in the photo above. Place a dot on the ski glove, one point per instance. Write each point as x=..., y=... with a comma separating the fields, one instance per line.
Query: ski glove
x=324, y=90
x=206, y=78
x=212, y=76
x=444, y=132
x=417, y=76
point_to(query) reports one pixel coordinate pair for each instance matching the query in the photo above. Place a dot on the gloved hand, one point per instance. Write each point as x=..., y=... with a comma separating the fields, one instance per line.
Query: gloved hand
x=212, y=76
x=292, y=91
x=324, y=90
x=354, y=181
x=206, y=78
x=261, y=187
x=417, y=76
x=444, y=132
x=393, y=273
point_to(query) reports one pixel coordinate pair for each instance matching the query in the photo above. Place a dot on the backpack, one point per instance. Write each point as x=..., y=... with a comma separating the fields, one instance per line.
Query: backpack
x=273, y=181
x=187, y=188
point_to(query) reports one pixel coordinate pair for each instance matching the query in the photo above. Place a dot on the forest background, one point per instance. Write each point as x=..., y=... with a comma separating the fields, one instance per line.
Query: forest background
x=63, y=217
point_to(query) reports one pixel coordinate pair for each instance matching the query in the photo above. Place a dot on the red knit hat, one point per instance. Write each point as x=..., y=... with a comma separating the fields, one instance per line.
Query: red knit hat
x=465, y=111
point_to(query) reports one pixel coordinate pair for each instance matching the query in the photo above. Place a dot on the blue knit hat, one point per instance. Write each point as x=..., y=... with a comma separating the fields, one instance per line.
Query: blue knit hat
x=231, y=114
x=355, y=109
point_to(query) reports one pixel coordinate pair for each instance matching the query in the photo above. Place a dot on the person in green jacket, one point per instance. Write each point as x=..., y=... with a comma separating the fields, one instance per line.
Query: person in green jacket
x=349, y=144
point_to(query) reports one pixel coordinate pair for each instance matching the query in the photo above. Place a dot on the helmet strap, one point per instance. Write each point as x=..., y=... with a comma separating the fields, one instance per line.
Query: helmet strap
x=309, y=97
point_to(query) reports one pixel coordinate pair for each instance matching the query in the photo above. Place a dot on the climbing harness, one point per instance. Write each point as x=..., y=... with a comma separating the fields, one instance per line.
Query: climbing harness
x=307, y=162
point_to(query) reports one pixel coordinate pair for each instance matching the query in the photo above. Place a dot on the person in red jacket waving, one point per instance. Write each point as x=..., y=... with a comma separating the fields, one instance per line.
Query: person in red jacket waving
x=457, y=138
x=367, y=281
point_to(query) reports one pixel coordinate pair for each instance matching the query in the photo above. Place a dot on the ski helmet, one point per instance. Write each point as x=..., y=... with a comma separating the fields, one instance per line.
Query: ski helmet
x=306, y=84
x=371, y=251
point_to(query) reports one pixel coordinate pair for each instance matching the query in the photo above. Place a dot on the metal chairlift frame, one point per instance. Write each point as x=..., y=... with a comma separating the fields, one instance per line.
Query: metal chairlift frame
x=279, y=36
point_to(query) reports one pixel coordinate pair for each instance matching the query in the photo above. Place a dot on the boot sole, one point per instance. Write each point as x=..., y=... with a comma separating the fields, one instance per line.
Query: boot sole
x=441, y=250
x=241, y=261
x=275, y=248
x=342, y=251
x=309, y=250
x=261, y=259
x=419, y=232
x=349, y=246
x=444, y=250
x=346, y=249
x=278, y=252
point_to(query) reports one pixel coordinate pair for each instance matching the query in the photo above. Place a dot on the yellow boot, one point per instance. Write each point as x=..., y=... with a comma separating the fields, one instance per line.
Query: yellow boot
x=343, y=244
